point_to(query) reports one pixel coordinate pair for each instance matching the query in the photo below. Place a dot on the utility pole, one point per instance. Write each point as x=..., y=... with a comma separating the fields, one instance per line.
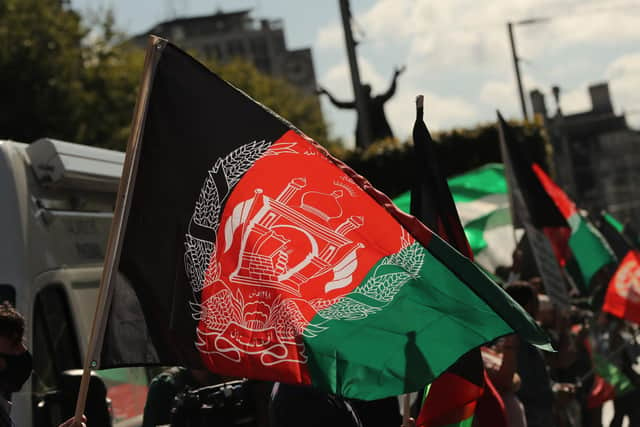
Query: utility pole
x=361, y=106
x=516, y=65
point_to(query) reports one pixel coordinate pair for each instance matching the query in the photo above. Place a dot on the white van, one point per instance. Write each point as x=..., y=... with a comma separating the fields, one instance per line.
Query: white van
x=56, y=204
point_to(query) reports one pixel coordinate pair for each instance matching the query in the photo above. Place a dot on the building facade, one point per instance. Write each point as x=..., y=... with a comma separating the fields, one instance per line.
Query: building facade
x=225, y=36
x=596, y=155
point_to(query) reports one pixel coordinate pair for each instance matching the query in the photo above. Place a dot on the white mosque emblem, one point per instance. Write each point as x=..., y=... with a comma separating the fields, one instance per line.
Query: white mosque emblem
x=628, y=282
x=286, y=244
x=284, y=241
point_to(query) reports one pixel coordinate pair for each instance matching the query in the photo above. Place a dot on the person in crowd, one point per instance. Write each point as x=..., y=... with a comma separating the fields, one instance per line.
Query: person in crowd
x=300, y=405
x=378, y=126
x=16, y=363
x=618, y=346
x=580, y=373
x=500, y=361
x=535, y=390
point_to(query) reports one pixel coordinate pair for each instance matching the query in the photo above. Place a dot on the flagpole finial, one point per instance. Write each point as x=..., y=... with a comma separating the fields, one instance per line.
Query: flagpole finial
x=419, y=101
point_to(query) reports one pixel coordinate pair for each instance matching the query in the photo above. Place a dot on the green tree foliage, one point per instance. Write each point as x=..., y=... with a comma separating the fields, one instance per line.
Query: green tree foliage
x=302, y=110
x=111, y=75
x=40, y=59
x=60, y=80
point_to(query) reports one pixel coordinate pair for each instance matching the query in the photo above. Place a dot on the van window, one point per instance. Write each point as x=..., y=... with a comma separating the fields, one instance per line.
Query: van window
x=55, y=347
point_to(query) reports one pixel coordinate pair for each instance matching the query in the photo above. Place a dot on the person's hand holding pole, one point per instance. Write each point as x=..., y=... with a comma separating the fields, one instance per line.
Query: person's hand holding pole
x=71, y=422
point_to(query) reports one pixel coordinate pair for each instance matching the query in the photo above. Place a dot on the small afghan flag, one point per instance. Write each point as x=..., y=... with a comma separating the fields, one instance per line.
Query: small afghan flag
x=616, y=235
x=482, y=202
x=627, y=230
x=588, y=247
x=452, y=398
x=623, y=293
x=547, y=207
x=247, y=249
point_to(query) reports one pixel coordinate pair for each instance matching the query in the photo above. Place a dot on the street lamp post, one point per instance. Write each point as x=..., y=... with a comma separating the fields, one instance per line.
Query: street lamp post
x=361, y=106
x=516, y=66
x=516, y=60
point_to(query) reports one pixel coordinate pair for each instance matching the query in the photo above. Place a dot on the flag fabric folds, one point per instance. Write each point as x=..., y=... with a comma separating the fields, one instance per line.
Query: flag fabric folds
x=250, y=251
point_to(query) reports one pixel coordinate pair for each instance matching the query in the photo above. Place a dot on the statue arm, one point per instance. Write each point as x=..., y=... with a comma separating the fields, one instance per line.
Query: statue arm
x=334, y=101
x=392, y=89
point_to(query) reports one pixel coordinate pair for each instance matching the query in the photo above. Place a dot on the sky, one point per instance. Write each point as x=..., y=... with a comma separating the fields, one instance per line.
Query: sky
x=456, y=52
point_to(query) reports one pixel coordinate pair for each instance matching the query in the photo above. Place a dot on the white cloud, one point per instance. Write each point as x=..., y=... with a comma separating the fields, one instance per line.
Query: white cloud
x=441, y=112
x=575, y=100
x=501, y=95
x=458, y=54
x=624, y=74
x=462, y=32
x=330, y=37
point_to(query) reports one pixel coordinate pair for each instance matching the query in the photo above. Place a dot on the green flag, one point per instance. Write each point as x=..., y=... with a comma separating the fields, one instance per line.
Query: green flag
x=483, y=206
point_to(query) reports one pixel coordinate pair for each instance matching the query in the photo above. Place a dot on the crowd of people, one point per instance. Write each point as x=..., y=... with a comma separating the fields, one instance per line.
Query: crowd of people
x=565, y=388
x=593, y=363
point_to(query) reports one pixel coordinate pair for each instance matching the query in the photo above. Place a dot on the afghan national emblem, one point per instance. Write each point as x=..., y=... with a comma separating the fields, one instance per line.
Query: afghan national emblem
x=627, y=281
x=273, y=260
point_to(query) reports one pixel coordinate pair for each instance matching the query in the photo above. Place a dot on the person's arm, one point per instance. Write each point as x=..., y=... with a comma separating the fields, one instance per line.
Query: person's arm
x=566, y=354
x=334, y=101
x=392, y=89
x=504, y=377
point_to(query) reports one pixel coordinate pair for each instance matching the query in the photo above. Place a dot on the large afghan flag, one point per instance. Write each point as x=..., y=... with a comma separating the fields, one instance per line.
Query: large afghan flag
x=250, y=251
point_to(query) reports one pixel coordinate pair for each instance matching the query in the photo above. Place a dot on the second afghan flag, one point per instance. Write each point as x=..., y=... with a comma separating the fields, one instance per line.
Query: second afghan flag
x=623, y=294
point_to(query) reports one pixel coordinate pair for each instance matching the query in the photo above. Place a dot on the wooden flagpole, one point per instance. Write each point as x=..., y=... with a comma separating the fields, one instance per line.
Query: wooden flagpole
x=123, y=202
x=406, y=409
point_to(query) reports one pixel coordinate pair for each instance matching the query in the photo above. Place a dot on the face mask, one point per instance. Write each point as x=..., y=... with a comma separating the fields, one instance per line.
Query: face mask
x=17, y=371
